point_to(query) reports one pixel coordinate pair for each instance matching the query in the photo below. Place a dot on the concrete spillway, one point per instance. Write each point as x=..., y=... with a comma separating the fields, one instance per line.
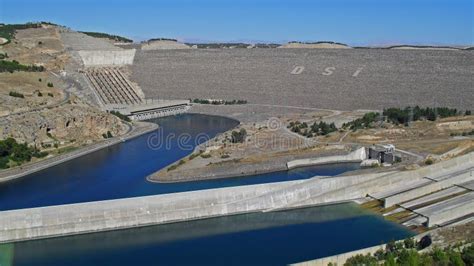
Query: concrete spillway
x=133, y=212
x=449, y=210
x=107, y=57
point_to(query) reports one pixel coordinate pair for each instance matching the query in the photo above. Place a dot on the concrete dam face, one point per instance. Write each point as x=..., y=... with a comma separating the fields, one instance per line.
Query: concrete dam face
x=107, y=57
x=345, y=79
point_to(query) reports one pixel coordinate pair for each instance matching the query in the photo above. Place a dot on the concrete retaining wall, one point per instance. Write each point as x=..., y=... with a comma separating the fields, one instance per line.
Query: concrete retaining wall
x=107, y=57
x=355, y=156
x=125, y=213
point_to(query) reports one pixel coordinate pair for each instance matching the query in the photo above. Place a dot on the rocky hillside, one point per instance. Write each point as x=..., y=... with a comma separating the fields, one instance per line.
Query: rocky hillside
x=34, y=105
x=72, y=124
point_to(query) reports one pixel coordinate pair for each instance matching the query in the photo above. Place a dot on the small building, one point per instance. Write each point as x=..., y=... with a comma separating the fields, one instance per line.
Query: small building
x=385, y=154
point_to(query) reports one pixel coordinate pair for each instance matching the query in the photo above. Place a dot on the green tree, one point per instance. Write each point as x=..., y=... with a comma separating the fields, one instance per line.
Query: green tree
x=361, y=260
x=468, y=255
x=426, y=260
x=455, y=258
x=409, y=258
x=4, y=162
x=440, y=257
x=238, y=136
x=390, y=261
x=409, y=243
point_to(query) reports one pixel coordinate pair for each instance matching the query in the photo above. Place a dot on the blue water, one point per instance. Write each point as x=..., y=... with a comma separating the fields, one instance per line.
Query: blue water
x=120, y=171
x=274, y=238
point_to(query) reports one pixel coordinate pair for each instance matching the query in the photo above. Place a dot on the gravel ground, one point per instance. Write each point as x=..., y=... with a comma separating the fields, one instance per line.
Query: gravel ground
x=230, y=168
x=332, y=78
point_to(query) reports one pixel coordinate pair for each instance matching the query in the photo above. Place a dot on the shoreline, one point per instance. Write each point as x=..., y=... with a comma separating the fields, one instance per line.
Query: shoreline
x=212, y=176
x=139, y=129
x=230, y=169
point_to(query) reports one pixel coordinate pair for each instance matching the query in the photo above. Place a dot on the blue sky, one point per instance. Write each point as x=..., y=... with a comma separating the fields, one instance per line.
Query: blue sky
x=356, y=22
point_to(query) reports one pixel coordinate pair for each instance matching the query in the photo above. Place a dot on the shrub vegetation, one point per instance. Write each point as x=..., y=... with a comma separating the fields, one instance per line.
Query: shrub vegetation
x=16, y=94
x=365, y=122
x=10, y=150
x=316, y=129
x=107, y=36
x=12, y=66
x=120, y=115
x=408, y=114
x=219, y=102
x=238, y=136
x=406, y=253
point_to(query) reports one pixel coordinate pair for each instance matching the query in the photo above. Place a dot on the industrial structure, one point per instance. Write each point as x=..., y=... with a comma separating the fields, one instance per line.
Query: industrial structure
x=384, y=154
x=101, y=67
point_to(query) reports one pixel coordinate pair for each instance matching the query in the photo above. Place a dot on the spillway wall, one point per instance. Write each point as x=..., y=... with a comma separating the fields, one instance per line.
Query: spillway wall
x=107, y=57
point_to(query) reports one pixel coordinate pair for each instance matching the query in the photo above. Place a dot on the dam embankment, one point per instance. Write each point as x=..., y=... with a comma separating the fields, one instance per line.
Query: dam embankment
x=356, y=156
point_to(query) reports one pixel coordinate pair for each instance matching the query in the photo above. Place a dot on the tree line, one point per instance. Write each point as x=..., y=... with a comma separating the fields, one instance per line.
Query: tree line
x=392, y=115
x=316, y=129
x=409, y=114
x=107, y=36
x=219, y=102
x=18, y=153
x=407, y=253
x=12, y=66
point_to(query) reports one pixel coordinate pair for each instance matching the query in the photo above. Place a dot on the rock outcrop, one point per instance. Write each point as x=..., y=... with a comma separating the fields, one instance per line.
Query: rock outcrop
x=72, y=123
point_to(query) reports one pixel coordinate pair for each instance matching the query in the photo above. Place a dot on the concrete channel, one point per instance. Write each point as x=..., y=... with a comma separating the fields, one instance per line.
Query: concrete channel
x=53, y=221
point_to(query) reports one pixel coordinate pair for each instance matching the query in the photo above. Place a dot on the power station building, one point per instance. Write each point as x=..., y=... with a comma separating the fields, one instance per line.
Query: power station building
x=385, y=154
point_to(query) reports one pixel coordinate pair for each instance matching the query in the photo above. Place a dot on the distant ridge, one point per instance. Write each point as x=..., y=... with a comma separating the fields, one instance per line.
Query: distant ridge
x=316, y=45
x=161, y=39
x=232, y=45
x=319, y=42
x=163, y=44
x=423, y=47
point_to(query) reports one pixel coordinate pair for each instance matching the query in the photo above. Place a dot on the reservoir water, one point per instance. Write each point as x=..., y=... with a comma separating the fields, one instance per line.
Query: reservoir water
x=120, y=171
x=272, y=238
